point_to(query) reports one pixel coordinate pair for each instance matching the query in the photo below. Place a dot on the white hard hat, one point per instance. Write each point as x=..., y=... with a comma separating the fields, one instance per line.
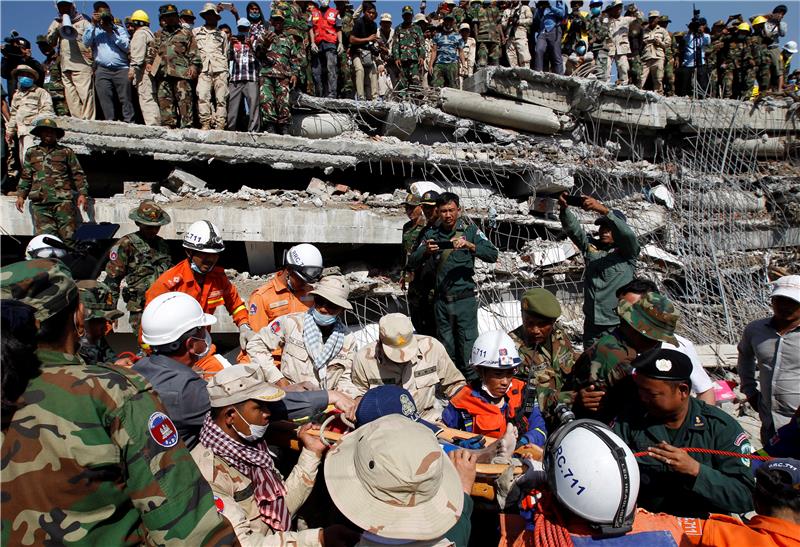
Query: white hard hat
x=171, y=315
x=494, y=349
x=306, y=261
x=203, y=236
x=38, y=248
x=790, y=46
x=594, y=474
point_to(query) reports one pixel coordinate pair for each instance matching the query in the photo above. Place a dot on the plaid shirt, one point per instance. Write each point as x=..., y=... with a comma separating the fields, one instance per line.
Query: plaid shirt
x=244, y=66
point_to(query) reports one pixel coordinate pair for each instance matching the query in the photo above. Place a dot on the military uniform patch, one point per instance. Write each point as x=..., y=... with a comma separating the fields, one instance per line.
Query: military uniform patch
x=253, y=308
x=162, y=430
x=114, y=253
x=740, y=439
x=219, y=504
x=275, y=327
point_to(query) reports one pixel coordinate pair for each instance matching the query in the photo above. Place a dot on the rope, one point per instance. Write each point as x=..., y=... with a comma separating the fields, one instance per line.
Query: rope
x=548, y=528
x=716, y=453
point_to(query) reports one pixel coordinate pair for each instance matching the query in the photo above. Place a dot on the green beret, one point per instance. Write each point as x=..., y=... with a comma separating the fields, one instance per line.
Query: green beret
x=663, y=364
x=653, y=316
x=46, y=285
x=541, y=302
x=98, y=300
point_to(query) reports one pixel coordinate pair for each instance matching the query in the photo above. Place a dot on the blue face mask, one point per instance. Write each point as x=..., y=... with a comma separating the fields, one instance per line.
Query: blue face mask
x=25, y=82
x=254, y=16
x=580, y=50
x=322, y=319
x=596, y=10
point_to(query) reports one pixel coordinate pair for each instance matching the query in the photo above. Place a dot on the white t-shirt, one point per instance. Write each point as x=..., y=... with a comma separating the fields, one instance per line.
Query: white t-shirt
x=701, y=382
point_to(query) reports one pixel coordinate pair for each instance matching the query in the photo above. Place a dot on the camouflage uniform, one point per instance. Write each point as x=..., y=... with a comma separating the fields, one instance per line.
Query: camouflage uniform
x=545, y=368
x=713, y=58
x=99, y=305
x=669, y=68
x=737, y=59
x=52, y=80
x=459, y=15
x=345, y=71
x=296, y=24
x=408, y=48
x=598, y=37
x=50, y=175
x=635, y=67
x=488, y=36
x=172, y=54
x=138, y=261
x=118, y=472
x=448, y=48
x=279, y=55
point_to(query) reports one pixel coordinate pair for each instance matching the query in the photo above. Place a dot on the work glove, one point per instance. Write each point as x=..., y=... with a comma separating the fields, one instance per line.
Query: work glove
x=245, y=334
x=339, y=48
x=314, y=48
x=473, y=443
x=510, y=489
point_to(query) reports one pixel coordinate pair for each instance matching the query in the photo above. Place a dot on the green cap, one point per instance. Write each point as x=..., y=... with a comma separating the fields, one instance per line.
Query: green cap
x=407, y=9
x=541, y=302
x=168, y=9
x=46, y=285
x=412, y=199
x=149, y=214
x=41, y=39
x=97, y=300
x=187, y=13
x=277, y=14
x=429, y=197
x=46, y=122
x=653, y=316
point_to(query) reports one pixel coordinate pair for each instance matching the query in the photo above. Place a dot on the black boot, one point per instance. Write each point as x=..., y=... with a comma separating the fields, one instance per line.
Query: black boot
x=280, y=129
x=268, y=127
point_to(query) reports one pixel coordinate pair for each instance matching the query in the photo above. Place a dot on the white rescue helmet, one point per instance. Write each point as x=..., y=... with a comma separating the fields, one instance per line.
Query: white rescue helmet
x=39, y=248
x=203, y=236
x=306, y=261
x=169, y=316
x=494, y=349
x=790, y=46
x=594, y=474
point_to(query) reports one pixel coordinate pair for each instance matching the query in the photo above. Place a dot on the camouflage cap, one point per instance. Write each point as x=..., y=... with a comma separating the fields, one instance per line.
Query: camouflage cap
x=653, y=316
x=718, y=23
x=41, y=123
x=407, y=9
x=149, y=214
x=97, y=300
x=541, y=302
x=397, y=338
x=168, y=9
x=42, y=39
x=187, y=13
x=412, y=199
x=429, y=197
x=277, y=14
x=665, y=19
x=46, y=285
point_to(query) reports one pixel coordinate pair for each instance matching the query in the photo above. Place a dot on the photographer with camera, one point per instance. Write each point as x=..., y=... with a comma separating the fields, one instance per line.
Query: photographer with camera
x=110, y=45
x=693, y=73
x=16, y=52
x=66, y=34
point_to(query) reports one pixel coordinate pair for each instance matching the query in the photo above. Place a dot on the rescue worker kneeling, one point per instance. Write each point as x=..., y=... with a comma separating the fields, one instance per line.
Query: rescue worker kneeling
x=495, y=399
x=233, y=457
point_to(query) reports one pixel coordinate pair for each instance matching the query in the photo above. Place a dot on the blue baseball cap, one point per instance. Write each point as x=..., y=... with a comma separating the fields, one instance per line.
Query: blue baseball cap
x=389, y=399
x=788, y=467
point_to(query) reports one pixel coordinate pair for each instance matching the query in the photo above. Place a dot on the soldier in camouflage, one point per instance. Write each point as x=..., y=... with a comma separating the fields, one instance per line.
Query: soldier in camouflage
x=279, y=55
x=173, y=60
x=411, y=231
x=408, y=51
x=669, y=58
x=52, y=78
x=99, y=317
x=736, y=62
x=598, y=33
x=139, y=259
x=421, y=279
x=345, y=81
x=51, y=174
x=601, y=378
x=713, y=53
x=546, y=354
x=296, y=24
x=488, y=35
x=121, y=474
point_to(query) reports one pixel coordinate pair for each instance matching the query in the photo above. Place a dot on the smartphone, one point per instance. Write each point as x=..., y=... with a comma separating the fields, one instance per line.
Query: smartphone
x=446, y=244
x=226, y=5
x=574, y=200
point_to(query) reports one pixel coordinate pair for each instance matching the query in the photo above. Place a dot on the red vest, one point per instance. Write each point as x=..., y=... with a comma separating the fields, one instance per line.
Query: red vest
x=324, y=25
x=488, y=419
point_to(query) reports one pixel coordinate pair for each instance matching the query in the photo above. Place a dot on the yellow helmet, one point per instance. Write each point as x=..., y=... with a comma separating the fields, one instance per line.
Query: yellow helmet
x=140, y=15
x=743, y=26
x=758, y=20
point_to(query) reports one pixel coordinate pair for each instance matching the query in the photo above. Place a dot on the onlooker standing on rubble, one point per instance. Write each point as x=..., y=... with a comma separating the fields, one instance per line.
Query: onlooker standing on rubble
x=174, y=61
x=213, y=46
x=279, y=56
x=547, y=25
x=364, y=34
x=110, y=45
x=52, y=77
x=488, y=34
x=138, y=258
x=774, y=30
x=142, y=79
x=517, y=20
x=29, y=102
x=76, y=60
x=326, y=44
x=610, y=263
x=244, y=78
x=599, y=38
x=656, y=40
x=693, y=73
x=771, y=346
x=408, y=51
x=446, y=55
x=456, y=306
x=618, y=44
x=467, y=66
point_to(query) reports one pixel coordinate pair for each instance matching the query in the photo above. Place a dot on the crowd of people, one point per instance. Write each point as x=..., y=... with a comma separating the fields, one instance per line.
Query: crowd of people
x=172, y=444
x=239, y=77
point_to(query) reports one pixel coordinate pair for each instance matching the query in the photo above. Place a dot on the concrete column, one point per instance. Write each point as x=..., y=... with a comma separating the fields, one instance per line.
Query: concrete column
x=260, y=257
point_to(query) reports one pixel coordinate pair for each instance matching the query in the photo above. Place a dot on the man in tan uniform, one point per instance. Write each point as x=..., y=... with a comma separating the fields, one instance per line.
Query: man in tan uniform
x=29, y=102
x=142, y=80
x=656, y=41
x=213, y=46
x=418, y=363
x=618, y=44
x=76, y=61
x=520, y=17
x=317, y=346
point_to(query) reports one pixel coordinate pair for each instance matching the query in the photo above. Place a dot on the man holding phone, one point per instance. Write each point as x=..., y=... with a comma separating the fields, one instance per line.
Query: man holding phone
x=610, y=261
x=455, y=243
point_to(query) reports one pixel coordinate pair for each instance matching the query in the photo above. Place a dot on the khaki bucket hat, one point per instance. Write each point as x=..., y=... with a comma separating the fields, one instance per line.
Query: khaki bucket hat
x=391, y=478
x=335, y=289
x=238, y=383
x=397, y=337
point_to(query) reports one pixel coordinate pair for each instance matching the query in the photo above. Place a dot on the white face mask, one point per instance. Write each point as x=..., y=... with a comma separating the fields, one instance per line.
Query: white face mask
x=256, y=431
x=207, y=339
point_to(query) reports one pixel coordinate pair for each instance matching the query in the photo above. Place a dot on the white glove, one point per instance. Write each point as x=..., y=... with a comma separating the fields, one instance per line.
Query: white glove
x=339, y=48
x=245, y=334
x=314, y=48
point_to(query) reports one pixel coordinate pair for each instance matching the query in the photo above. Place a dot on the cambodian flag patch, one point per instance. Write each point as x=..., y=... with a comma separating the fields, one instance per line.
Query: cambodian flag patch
x=162, y=430
x=275, y=327
x=219, y=504
x=253, y=308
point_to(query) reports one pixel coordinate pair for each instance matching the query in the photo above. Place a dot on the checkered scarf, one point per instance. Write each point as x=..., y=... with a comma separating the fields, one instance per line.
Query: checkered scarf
x=322, y=355
x=255, y=463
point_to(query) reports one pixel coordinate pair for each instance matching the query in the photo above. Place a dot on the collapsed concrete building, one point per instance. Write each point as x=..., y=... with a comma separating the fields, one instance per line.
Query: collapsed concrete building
x=711, y=187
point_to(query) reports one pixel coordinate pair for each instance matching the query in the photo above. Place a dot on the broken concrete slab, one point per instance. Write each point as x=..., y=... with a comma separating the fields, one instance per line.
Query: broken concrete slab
x=500, y=112
x=178, y=178
x=321, y=126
